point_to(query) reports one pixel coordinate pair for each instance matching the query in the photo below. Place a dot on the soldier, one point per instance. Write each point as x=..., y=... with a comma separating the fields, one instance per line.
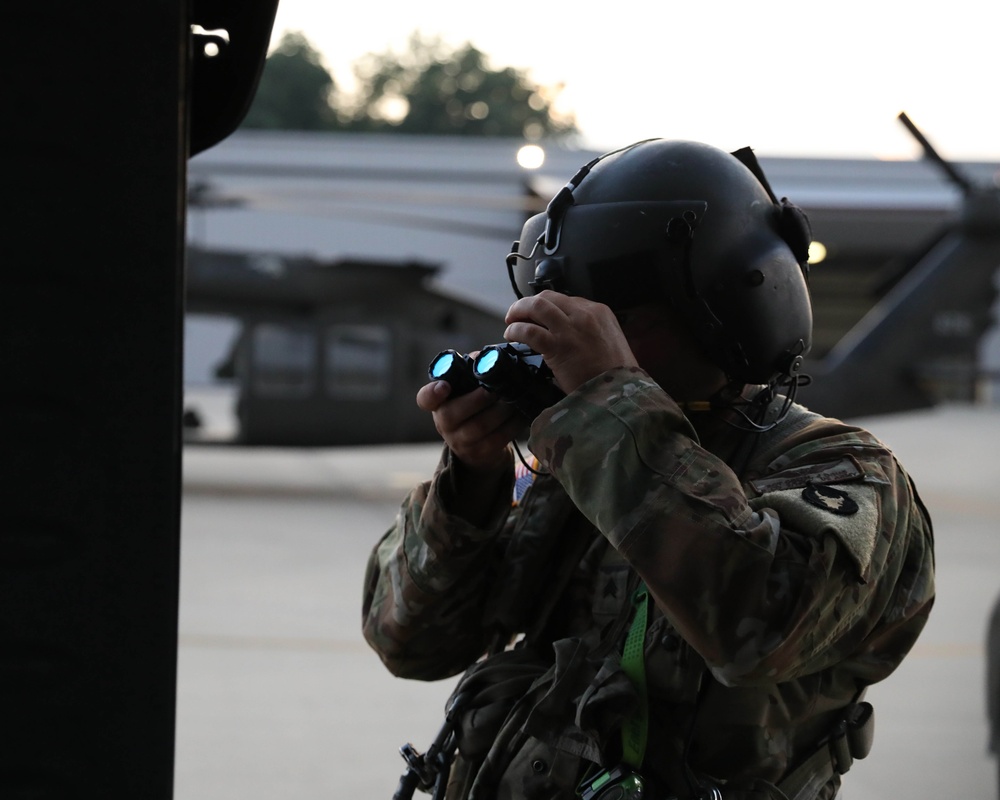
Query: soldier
x=697, y=578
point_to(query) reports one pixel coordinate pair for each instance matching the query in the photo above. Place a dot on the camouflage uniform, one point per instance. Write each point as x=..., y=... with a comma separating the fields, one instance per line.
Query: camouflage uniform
x=780, y=593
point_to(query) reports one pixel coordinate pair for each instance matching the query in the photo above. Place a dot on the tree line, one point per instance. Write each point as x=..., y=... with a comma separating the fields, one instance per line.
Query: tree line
x=429, y=89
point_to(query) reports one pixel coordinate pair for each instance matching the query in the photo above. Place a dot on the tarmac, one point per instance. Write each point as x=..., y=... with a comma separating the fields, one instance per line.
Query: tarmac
x=279, y=696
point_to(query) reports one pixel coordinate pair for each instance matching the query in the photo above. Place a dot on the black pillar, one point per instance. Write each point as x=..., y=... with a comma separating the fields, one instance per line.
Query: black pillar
x=91, y=304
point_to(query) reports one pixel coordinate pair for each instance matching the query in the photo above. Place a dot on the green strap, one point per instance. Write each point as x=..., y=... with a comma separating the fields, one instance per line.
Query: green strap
x=635, y=728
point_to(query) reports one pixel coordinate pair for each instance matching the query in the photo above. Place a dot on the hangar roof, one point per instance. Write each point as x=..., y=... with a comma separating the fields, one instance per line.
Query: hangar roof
x=459, y=202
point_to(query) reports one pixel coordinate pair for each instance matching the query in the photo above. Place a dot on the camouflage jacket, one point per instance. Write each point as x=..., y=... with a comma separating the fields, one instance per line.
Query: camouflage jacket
x=780, y=592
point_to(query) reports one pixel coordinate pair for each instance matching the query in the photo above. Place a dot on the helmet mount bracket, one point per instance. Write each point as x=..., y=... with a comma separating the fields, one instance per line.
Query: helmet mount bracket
x=550, y=273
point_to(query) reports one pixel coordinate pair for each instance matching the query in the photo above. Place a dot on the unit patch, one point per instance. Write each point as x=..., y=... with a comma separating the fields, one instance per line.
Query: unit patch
x=829, y=499
x=850, y=512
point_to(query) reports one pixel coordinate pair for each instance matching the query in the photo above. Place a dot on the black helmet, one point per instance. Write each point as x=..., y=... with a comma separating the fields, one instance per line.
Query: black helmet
x=689, y=224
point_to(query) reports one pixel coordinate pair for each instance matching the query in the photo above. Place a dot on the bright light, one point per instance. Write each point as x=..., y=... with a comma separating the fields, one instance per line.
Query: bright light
x=817, y=252
x=392, y=108
x=531, y=156
x=478, y=110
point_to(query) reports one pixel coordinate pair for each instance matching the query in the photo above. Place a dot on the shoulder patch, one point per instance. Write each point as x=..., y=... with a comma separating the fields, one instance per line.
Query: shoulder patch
x=829, y=499
x=855, y=525
x=844, y=469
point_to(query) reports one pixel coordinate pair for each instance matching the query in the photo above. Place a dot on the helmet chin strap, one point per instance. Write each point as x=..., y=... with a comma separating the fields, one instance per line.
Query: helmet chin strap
x=752, y=417
x=751, y=413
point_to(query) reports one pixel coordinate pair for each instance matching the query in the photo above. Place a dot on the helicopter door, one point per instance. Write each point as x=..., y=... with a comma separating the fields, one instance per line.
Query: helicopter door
x=359, y=381
x=358, y=362
x=331, y=382
x=283, y=361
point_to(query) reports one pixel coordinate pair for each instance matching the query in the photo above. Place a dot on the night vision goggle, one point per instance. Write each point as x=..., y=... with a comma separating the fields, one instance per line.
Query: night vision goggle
x=511, y=370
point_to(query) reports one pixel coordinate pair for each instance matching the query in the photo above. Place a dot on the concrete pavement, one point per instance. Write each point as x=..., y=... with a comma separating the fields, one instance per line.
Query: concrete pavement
x=279, y=697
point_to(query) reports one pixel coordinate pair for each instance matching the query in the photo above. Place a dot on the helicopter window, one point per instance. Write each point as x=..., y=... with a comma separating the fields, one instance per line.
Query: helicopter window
x=283, y=360
x=358, y=362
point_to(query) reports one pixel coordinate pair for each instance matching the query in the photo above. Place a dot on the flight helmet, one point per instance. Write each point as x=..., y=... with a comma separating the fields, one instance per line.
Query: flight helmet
x=691, y=225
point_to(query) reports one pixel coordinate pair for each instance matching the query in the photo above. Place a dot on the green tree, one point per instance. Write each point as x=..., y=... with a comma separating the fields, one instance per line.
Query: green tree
x=431, y=89
x=295, y=91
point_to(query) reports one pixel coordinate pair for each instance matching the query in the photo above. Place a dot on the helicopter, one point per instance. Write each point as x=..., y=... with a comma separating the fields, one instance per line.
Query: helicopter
x=919, y=343
x=330, y=349
x=332, y=353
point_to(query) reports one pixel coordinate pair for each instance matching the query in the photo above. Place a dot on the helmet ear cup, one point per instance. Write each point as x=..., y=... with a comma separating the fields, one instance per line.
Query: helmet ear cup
x=794, y=227
x=793, y=224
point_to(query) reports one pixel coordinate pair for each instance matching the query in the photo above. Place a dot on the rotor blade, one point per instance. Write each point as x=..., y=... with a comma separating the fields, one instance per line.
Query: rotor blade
x=960, y=180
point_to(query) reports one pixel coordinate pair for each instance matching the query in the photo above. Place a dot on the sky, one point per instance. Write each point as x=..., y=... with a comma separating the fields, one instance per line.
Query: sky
x=786, y=77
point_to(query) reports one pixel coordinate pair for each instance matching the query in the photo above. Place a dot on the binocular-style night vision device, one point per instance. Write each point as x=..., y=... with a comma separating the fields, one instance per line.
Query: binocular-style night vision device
x=512, y=370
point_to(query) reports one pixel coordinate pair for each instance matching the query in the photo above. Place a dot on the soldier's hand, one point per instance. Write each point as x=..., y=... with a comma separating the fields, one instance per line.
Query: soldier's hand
x=578, y=338
x=477, y=426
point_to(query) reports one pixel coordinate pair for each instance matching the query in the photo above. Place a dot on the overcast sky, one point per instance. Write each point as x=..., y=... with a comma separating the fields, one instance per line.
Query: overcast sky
x=786, y=77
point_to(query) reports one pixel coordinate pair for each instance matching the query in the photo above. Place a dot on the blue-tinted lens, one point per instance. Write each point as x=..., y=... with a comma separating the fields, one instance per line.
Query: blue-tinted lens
x=487, y=361
x=442, y=365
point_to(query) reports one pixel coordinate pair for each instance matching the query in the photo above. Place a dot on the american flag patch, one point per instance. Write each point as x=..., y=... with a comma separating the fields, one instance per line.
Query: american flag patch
x=523, y=478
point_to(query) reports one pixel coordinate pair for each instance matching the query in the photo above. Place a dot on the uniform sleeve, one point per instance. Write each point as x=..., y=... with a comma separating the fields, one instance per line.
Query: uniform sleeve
x=763, y=591
x=427, y=579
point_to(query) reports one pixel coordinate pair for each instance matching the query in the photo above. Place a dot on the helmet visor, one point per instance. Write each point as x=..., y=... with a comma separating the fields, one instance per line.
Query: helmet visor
x=619, y=254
